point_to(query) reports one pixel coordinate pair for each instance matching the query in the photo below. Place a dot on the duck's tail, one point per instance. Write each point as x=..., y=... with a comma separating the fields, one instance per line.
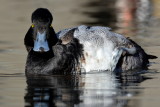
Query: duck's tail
x=152, y=56
x=147, y=55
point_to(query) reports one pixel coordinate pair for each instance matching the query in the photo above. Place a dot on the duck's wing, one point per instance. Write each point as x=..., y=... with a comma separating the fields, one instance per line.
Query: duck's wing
x=105, y=46
x=66, y=35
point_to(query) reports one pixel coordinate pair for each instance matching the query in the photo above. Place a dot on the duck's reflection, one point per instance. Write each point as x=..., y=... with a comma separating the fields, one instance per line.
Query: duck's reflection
x=85, y=90
x=52, y=91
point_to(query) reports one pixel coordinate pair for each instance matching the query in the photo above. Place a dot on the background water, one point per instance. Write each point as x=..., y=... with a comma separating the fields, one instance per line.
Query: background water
x=137, y=19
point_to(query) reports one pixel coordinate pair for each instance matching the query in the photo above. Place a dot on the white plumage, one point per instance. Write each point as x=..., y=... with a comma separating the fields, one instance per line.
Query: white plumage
x=102, y=48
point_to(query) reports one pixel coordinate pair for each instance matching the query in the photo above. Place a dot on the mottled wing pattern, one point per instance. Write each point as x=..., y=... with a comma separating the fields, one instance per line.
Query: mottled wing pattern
x=62, y=33
x=67, y=37
x=103, y=49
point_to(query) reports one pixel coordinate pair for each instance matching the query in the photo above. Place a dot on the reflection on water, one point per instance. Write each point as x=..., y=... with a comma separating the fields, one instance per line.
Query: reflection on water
x=56, y=91
x=85, y=90
x=123, y=16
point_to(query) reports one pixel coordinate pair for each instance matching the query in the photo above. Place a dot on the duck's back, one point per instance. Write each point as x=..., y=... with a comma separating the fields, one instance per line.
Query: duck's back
x=100, y=46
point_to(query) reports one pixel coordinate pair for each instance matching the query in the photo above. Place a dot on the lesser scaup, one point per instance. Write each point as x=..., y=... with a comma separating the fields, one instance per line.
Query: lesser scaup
x=82, y=48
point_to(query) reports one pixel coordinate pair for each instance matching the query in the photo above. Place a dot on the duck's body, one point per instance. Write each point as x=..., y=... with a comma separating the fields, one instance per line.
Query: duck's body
x=106, y=50
x=80, y=48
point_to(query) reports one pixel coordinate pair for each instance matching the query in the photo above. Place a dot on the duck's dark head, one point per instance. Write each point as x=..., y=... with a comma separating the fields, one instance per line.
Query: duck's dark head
x=41, y=32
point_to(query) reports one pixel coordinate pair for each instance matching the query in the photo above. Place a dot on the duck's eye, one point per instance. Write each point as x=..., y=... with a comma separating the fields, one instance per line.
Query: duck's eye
x=32, y=25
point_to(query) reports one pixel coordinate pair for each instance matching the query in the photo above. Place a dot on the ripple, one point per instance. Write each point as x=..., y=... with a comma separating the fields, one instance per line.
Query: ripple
x=12, y=75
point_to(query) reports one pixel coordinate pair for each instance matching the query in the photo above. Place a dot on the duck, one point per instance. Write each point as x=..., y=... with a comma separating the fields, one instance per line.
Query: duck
x=78, y=49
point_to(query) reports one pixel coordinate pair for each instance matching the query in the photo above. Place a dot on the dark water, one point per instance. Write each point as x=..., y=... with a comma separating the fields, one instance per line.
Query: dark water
x=138, y=19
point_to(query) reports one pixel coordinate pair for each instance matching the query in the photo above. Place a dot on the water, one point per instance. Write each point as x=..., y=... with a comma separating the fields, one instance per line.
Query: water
x=137, y=20
x=91, y=90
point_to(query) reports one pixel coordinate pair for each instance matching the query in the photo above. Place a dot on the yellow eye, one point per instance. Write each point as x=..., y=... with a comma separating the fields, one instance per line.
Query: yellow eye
x=32, y=25
x=51, y=26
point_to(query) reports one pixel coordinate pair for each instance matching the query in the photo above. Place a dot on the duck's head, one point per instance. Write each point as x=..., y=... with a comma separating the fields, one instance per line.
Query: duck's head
x=42, y=32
